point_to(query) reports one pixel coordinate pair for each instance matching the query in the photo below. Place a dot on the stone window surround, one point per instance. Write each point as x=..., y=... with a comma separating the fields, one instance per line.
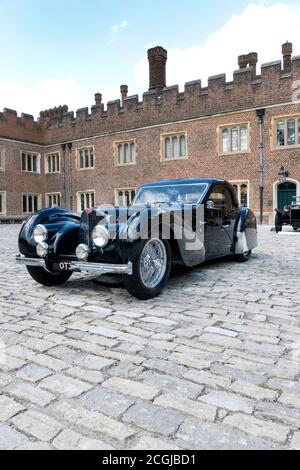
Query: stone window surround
x=38, y=162
x=239, y=184
x=85, y=192
x=2, y=157
x=285, y=118
x=231, y=126
x=116, y=152
x=3, y=209
x=46, y=163
x=118, y=190
x=39, y=196
x=86, y=168
x=47, y=196
x=163, y=138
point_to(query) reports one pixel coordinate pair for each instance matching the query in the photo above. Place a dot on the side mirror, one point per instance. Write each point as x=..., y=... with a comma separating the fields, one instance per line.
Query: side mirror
x=210, y=204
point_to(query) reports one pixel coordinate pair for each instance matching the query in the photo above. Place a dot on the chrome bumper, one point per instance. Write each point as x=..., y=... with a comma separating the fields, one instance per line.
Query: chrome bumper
x=79, y=266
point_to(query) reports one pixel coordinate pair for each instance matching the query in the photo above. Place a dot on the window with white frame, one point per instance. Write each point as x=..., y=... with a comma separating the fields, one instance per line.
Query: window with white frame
x=174, y=147
x=85, y=200
x=2, y=203
x=125, y=153
x=124, y=197
x=31, y=203
x=287, y=131
x=52, y=163
x=53, y=200
x=242, y=191
x=234, y=139
x=85, y=158
x=2, y=158
x=30, y=162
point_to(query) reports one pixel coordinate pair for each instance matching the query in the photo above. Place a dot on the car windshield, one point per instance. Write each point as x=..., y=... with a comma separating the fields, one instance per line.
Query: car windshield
x=170, y=194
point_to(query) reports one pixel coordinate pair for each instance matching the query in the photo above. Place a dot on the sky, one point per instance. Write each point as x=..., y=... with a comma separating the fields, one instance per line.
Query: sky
x=56, y=52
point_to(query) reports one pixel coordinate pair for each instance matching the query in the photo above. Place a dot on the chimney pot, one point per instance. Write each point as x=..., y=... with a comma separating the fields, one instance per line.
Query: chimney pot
x=98, y=99
x=157, y=57
x=287, y=51
x=124, y=93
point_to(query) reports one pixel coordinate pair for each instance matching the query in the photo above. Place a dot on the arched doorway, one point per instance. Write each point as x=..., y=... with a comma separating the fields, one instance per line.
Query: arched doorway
x=285, y=193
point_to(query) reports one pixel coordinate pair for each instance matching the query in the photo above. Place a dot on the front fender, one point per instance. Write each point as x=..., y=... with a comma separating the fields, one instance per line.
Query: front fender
x=63, y=232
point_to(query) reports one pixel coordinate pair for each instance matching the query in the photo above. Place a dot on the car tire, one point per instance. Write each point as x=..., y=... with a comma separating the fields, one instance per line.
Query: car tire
x=296, y=229
x=243, y=257
x=47, y=278
x=138, y=283
x=278, y=223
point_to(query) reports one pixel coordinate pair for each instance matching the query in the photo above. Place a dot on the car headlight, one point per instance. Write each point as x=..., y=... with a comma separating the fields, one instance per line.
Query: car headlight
x=40, y=234
x=42, y=250
x=82, y=252
x=100, y=236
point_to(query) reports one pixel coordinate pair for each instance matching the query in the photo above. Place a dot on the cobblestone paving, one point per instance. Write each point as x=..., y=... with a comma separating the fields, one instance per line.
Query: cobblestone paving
x=212, y=363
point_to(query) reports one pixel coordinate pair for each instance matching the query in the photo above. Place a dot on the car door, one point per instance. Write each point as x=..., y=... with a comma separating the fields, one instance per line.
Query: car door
x=220, y=215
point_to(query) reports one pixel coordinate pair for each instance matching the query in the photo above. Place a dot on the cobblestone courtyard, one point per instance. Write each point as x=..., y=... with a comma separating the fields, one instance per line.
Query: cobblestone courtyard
x=212, y=363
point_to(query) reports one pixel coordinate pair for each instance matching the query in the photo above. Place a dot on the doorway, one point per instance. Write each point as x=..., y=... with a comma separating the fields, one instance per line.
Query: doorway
x=286, y=192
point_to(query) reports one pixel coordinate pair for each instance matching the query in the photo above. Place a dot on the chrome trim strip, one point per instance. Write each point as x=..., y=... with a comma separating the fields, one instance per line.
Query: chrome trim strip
x=97, y=268
x=101, y=268
x=30, y=261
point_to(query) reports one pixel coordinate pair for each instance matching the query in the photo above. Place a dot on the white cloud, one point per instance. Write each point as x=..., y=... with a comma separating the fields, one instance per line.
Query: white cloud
x=259, y=28
x=44, y=95
x=115, y=30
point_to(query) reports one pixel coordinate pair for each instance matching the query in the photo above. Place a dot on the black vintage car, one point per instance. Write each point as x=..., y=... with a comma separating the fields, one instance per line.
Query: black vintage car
x=289, y=215
x=189, y=221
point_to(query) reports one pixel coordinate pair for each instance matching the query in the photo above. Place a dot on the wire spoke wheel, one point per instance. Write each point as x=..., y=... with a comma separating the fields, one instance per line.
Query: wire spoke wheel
x=153, y=263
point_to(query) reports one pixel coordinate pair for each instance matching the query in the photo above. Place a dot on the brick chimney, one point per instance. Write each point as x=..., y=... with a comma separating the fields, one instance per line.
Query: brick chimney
x=157, y=57
x=98, y=99
x=124, y=93
x=250, y=60
x=287, y=50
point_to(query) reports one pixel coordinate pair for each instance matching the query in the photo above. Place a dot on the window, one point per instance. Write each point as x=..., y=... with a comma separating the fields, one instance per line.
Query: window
x=30, y=162
x=2, y=158
x=31, y=203
x=52, y=163
x=125, y=153
x=85, y=158
x=2, y=203
x=234, y=139
x=124, y=197
x=174, y=147
x=53, y=200
x=222, y=198
x=242, y=191
x=85, y=200
x=287, y=132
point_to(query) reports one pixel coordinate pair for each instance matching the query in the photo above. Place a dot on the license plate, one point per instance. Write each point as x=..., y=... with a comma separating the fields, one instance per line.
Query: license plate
x=64, y=266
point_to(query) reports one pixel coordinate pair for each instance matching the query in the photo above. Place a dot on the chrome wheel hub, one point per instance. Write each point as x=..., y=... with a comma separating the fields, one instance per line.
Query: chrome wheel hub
x=153, y=263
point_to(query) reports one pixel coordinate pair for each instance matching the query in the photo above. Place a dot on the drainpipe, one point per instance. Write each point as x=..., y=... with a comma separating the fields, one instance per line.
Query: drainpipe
x=69, y=145
x=260, y=114
x=63, y=148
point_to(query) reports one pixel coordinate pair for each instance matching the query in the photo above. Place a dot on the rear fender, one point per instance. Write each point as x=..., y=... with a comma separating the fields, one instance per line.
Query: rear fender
x=245, y=232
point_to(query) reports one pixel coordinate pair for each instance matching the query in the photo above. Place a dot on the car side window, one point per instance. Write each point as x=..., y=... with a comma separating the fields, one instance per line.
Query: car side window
x=222, y=199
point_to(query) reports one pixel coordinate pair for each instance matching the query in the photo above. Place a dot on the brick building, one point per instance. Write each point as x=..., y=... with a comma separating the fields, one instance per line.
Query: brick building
x=244, y=131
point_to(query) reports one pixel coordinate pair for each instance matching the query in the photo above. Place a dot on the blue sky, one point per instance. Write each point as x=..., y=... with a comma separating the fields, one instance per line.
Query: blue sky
x=67, y=50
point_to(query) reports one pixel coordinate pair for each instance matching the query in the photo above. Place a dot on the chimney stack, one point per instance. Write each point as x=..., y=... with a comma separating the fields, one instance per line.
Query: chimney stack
x=287, y=51
x=124, y=93
x=250, y=60
x=98, y=99
x=157, y=57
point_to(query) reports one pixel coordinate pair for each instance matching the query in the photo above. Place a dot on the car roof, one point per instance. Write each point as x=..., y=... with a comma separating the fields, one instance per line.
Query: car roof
x=184, y=181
